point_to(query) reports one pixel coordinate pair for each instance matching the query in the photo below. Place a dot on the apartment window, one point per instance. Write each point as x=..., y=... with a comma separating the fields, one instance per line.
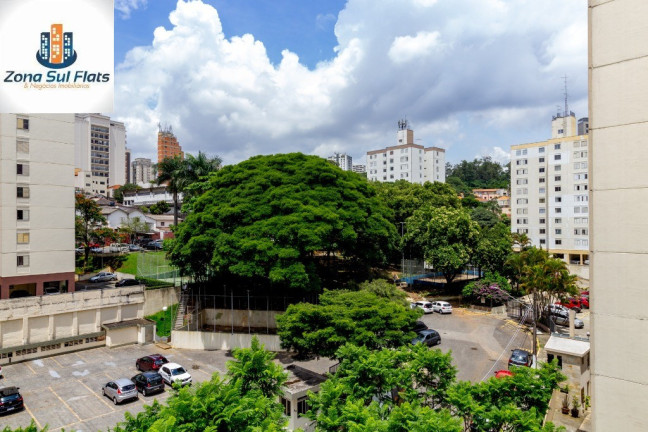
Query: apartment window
x=286, y=406
x=580, y=231
x=542, y=190
x=541, y=170
x=557, y=189
x=523, y=231
x=541, y=200
x=558, y=231
x=22, y=123
x=22, y=169
x=391, y=176
x=404, y=167
x=543, y=231
x=522, y=181
x=22, y=238
x=22, y=147
x=518, y=152
x=558, y=220
x=22, y=192
x=541, y=180
x=404, y=159
x=522, y=221
x=542, y=241
x=558, y=199
x=543, y=220
x=541, y=150
x=22, y=215
x=522, y=201
x=522, y=211
x=541, y=160
x=558, y=210
x=302, y=406
x=557, y=146
x=557, y=178
x=557, y=157
x=558, y=241
x=22, y=260
x=542, y=210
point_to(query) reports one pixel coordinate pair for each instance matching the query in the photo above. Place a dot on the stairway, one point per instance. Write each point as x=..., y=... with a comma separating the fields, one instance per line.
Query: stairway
x=181, y=311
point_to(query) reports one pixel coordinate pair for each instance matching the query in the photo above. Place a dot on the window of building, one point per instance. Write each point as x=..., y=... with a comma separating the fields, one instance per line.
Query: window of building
x=543, y=220
x=557, y=178
x=523, y=231
x=558, y=231
x=541, y=160
x=542, y=241
x=543, y=231
x=542, y=210
x=522, y=201
x=557, y=189
x=557, y=146
x=22, y=123
x=541, y=150
x=518, y=152
x=558, y=199
x=557, y=156
x=22, y=238
x=558, y=241
x=542, y=190
x=558, y=220
x=22, y=147
x=22, y=260
x=22, y=169
x=522, y=181
x=22, y=192
x=286, y=406
x=302, y=406
x=22, y=214
x=558, y=210
x=522, y=221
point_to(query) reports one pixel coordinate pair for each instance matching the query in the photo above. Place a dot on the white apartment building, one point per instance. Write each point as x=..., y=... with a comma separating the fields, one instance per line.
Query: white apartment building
x=549, y=191
x=100, y=153
x=360, y=169
x=142, y=172
x=36, y=204
x=406, y=161
x=343, y=160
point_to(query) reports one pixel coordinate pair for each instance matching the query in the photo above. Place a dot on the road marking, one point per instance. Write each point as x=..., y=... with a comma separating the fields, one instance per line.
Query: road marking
x=56, y=361
x=32, y=415
x=65, y=403
x=102, y=398
x=30, y=368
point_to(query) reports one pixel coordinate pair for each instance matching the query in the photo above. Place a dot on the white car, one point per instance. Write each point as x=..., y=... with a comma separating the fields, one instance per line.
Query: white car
x=172, y=372
x=426, y=306
x=442, y=307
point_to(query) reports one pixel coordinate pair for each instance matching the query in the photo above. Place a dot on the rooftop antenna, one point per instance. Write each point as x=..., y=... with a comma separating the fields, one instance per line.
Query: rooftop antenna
x=566, y=113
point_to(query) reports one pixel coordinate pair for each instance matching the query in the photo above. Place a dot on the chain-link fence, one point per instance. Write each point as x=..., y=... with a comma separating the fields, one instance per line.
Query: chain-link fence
x=154, y=265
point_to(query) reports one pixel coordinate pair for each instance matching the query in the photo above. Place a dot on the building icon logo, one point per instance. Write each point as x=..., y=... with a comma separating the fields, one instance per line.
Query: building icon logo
x=56, y=49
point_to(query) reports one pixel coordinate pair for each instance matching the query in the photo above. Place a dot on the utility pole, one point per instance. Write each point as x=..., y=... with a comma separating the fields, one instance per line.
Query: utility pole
x=402, y=251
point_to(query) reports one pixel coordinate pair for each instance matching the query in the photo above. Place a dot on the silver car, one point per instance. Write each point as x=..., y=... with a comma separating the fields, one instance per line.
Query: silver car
x=120, y=390
x=103, y=277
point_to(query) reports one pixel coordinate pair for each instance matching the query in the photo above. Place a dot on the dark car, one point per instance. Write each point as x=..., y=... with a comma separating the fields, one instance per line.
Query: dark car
x=429, y=337
x=10, y=399
x=150, y=363
x=127, y=282
x=154, y=245
x=148, y=383
x=418, y=326
x=520, y=358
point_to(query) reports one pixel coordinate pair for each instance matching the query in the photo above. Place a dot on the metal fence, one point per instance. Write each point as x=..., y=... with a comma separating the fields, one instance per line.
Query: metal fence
x=156, y=266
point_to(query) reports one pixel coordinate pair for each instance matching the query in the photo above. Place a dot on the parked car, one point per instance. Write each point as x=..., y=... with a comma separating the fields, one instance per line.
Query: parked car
x=419, y=325
x=556, y=309
x=442, y=307
x=151, y=362
x=173, y=372
x=97, y=250
x=503, y=373
x=10, y=399
x=584, y=302
x=118, y=247
x=154, y=245
x=563, y=321
x=120, y=390
x=426, y=306
x=103, y=277
x=429, y=337
x=148, y=382
x=134, y=248
x=127, y=282
x=520, y=357
x=80, y=250
x=571, y=303
x=51, y=290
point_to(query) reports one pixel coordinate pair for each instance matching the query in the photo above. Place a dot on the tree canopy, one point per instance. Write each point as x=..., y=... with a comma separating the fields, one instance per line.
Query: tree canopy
x=274, y=219
x=88, y=220
x=480, y=173
x=359, y=317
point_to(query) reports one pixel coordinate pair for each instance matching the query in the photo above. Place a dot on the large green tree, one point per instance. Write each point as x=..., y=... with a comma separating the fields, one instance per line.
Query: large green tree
x=446, y=237
x=87, y=221
x=480, y=173
x=359, y=317
x=128, y=187
x=275, y=219
x=493, y=248
x=172, y=172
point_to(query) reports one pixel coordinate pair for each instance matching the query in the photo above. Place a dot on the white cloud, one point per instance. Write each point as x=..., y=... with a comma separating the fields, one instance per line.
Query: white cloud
x=482, y=66
x=127, y=6
x=406, y=48
x=498, y=154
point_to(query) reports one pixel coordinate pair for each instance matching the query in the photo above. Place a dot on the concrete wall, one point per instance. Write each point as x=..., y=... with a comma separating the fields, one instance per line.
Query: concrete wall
x=121, y=336
x=221, y=341
x=156, y=299
x=618, y=65
x=255, y=318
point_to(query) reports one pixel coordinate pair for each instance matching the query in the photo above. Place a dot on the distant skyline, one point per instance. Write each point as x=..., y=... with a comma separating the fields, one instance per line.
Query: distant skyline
x=243, y=77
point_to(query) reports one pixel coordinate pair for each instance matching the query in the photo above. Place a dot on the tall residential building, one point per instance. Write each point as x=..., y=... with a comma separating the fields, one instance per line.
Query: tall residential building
x=128, y=166
x=406, y=160
x=583, y=126
x=142, y=169
x=168, y=145
x=36, y=204
x=100, y=153
x=618, y=107
x=549, y=191
x=344, y=161
x=360, y=169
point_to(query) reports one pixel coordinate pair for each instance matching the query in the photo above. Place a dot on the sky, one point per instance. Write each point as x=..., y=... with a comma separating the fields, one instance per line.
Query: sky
x=237, y=78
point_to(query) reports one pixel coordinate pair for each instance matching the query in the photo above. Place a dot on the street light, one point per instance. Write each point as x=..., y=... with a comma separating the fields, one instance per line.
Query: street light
x=164, y=309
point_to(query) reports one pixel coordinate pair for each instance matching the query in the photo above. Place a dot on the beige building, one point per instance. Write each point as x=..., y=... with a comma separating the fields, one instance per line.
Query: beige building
x=618, y=67
x=406, y=160
x=36, y=204
x=142, y=170
x=549, y=191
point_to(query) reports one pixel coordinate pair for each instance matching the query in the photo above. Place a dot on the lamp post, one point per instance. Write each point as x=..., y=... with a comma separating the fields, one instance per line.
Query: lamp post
x=164, y=309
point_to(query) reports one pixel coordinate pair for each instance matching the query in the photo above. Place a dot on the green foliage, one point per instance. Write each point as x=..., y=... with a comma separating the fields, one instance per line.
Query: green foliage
x=480, y=173
x=447, y=238
x=154, y=283
x=493, y=248
x=218, y=404
x=486, y=216
x=159, y=208
x=254, y=371
x=358, y=317
x=271, y=218
x=490, y=280
x=128, y=187
x=31, y=428
x=385, y=289
x=87, y=220
x=164, y=320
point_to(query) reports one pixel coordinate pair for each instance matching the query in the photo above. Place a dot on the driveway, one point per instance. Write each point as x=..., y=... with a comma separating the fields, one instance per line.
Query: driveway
x=478, y=341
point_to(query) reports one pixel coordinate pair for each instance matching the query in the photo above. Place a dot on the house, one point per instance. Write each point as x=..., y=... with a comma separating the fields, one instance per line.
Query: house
x=118, y=216
x=573, y=356
x=295, y=396
x=162, y=224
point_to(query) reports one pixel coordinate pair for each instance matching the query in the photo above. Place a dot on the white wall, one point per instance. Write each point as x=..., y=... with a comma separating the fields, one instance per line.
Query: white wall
x=221, y=341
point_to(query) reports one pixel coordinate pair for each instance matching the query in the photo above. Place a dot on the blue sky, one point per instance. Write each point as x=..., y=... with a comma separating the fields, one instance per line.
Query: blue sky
x=243, y=77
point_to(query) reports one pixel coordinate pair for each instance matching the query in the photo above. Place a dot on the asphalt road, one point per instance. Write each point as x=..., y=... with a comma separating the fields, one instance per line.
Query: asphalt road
x=478, y=341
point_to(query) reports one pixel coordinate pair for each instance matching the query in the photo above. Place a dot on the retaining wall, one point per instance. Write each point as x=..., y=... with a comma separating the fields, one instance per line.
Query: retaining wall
x=221, y=341
x=156, y=299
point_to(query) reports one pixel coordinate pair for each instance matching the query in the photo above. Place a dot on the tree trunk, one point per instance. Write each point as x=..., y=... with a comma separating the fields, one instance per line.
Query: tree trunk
x=175, y=208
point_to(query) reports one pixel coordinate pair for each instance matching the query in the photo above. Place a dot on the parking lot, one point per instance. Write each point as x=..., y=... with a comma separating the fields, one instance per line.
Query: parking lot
x=65, y=391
